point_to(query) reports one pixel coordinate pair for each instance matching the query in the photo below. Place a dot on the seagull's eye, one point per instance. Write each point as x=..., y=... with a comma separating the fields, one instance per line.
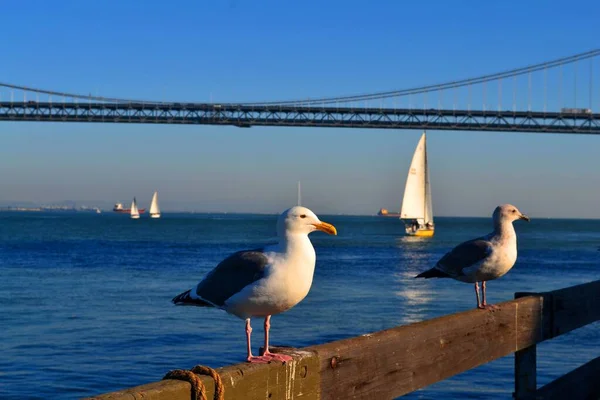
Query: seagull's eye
x=303, y=216
x=514, y=211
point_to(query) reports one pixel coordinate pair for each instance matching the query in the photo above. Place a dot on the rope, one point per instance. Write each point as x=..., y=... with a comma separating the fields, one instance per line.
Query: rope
x=198, y=388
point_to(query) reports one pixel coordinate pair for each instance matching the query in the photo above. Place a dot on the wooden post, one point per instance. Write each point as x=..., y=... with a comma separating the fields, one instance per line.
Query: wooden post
x=525, y=373
x=525, y=367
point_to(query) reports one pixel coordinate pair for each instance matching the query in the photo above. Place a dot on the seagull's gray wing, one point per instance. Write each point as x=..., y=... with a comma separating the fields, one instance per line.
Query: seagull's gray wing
x=463, y=256
x=232, y=275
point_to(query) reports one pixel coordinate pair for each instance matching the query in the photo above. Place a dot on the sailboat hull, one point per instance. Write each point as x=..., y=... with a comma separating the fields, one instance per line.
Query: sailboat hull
x=154, y=215
x=421, y=233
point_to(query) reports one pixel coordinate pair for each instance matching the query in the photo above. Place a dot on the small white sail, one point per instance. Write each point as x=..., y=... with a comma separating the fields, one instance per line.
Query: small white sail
x=299, y=195
x=154, y=210
x=414, y=201
x=134, y=210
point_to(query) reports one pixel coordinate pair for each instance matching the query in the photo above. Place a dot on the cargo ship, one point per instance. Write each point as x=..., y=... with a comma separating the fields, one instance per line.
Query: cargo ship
x=118, y=208
x=385, y=213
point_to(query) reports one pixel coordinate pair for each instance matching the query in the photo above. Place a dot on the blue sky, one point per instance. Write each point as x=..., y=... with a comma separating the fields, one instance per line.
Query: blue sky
x=269, y=50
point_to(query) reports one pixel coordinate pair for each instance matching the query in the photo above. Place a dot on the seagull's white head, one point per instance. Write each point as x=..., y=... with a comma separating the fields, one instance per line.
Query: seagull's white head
x=508, y=213
x=300, y=220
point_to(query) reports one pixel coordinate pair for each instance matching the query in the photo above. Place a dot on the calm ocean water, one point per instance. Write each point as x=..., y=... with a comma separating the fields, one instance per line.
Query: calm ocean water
x=85, y=299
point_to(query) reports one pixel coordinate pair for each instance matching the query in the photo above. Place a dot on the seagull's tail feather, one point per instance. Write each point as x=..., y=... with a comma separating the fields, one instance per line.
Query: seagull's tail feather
x=433, y=273
x=185, y=299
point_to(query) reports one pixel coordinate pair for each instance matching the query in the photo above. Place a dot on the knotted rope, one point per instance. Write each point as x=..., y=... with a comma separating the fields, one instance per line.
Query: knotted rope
x=198, y=388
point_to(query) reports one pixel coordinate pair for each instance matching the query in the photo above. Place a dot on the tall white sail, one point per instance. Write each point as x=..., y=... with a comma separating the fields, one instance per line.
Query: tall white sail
x=154, y=210
x=428, y=205
x=299, y=194
x=134, y=210
x=415, y=192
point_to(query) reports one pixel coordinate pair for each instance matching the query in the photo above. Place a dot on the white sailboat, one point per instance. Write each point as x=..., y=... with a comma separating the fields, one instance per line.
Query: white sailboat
x=417, y=212
x=135, y=214
x=154, y=210
x=299, y=195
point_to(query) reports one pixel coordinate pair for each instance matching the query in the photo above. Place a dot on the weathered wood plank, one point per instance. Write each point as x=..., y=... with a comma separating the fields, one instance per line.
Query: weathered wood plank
x=162, y=390
x=580, y=384
x=298, y=379
x=397, y=361
x=574, y=307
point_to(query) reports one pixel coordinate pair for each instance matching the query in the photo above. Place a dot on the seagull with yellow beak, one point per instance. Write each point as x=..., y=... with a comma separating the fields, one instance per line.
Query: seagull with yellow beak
x=264, y=282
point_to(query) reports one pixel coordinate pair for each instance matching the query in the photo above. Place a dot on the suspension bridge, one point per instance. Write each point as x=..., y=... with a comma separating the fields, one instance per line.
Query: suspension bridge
x=556, y=96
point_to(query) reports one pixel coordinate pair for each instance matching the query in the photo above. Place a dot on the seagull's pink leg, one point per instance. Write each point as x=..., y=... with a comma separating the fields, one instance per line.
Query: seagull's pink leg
x=267, y=353
x=251, y=358
x=479, y=305
x=248, y=332
x=267, y=327
x=484, y=304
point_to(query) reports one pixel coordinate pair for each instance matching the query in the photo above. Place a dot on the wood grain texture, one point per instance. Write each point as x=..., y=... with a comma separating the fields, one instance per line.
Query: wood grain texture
x=298, y=379
x=397, y=361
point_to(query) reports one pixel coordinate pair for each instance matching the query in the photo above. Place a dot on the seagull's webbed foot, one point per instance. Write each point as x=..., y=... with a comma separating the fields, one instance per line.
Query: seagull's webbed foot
x=268, y=357
x=489, y=307
x=278, y=357
x=272, y=356
x=259, y=359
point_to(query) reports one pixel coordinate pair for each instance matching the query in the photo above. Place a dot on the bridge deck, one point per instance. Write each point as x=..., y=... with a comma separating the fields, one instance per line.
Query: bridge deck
x=308, y=116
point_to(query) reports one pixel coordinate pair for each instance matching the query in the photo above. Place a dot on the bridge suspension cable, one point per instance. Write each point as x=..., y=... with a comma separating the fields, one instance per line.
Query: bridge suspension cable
x=442, y=86
x=73, y=95
x=350, y=98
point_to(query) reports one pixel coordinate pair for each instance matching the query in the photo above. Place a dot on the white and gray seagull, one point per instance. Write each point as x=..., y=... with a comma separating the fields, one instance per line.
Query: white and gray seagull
x=263, y=282
x=485, y=258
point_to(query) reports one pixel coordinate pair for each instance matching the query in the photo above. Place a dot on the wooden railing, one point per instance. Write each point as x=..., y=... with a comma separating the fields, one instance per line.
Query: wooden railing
x=397, y=361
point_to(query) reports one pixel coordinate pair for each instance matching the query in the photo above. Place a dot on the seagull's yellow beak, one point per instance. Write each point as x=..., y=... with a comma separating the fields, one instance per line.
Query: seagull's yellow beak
x=327, y=228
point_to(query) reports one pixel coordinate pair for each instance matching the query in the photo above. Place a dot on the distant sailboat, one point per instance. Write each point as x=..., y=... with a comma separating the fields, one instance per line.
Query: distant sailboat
x=154, y=210
x=299, y=194
x=134, y=210
x=417, y=212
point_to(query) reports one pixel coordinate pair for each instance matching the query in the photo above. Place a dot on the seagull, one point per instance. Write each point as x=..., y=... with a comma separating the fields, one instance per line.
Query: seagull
x=485, y=258
x=263, y=282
